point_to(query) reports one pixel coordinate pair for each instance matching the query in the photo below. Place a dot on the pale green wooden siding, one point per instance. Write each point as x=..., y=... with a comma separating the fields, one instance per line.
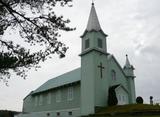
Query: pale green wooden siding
x=29, y=102
x=87, y=84
x=120, y=76
x=131, y=87
x=101, y=88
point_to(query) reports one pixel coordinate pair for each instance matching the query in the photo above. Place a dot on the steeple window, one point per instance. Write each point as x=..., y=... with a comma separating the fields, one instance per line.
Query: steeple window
x=100, y=45
x=86, y=43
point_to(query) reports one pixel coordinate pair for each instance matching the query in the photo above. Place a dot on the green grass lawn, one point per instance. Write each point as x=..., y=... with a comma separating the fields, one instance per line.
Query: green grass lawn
x=130, y=116
x=131, y=110
x=134, y=116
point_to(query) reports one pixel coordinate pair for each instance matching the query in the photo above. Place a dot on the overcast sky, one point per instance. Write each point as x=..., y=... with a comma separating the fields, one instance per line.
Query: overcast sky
x=133, y=27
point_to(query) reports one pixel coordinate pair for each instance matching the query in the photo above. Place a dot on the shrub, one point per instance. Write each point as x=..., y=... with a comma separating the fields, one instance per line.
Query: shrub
x=112, y=98
x=139, y=100
x=151, y=97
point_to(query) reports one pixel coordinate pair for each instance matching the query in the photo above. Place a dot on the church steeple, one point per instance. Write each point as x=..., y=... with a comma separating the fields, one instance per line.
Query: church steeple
x=128, y=68
x=93, y=22
x=93, y=58
x=93, y=37
x=129, y=71
x=127, y=64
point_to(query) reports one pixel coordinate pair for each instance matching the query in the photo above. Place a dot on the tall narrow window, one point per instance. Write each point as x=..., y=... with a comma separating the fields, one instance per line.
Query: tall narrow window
x=40, y=99
x=113, y=75
x=58, y=95
x=100, y=43
x=70, y=93
x=86, y=43
x=49, y=98
x=36, y=100
x=119, y=97
x=123, y=98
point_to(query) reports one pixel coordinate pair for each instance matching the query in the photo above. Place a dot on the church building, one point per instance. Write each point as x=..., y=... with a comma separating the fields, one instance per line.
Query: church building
x=81, y=91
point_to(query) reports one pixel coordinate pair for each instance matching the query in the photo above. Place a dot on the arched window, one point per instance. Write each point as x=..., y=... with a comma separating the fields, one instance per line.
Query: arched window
x=113, y=75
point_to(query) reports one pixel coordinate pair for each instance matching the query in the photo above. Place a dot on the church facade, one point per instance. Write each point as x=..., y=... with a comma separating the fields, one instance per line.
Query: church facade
x=80, y=91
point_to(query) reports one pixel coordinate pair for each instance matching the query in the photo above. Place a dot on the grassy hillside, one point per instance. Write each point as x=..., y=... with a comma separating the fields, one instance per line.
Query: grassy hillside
x=131, y=110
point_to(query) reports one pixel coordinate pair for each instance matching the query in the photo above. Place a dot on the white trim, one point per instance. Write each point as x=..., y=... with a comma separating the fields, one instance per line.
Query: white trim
x=121, y=86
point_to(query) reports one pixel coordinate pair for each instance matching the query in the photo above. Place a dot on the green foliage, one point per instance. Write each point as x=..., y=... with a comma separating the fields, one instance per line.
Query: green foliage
x=112, y=98
x=6, y=113
x=139, y=100
x=38, y=28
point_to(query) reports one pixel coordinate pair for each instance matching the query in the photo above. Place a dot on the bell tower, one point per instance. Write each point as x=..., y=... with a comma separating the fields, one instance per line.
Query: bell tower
x=129, y=71
x=93, y=37
x=93, y=65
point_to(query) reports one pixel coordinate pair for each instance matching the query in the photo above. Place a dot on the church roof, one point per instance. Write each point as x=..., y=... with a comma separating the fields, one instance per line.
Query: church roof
x=93, y=22
x=67, y=78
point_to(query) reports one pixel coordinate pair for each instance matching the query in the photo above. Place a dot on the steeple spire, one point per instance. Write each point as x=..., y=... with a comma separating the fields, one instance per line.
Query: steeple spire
x=127, y=64
x=93, y=22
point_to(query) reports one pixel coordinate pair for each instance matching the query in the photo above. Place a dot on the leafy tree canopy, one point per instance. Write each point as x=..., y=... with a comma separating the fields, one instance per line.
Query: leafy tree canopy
x=40, y=28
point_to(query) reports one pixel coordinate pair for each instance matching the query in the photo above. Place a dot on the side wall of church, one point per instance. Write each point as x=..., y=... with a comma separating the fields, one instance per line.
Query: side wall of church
x=56, y=99
x=119, y=77
x=116, y=76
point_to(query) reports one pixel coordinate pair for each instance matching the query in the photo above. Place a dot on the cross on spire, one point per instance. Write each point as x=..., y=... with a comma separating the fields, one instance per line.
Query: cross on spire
x=92, y=2
x=101, y=69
